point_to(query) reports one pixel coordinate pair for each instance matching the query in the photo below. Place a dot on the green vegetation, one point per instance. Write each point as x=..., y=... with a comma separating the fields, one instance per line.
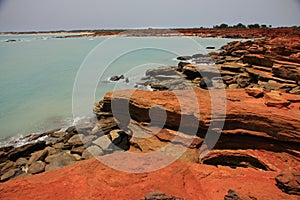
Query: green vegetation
x=242, y=26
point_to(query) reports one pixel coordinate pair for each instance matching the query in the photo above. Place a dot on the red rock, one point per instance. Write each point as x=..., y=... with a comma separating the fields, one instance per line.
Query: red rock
x=274, y=99
x=255, y=92
x=92, y=180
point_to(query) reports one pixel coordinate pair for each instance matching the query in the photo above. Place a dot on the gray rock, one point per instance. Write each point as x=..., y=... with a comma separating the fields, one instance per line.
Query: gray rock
x=26, y=150
x=39, y=155
x=103, y=142
x=76, y=140
x=78, y=150
x=233, y=195
x=9, y=174
x=7, y=166
x=36, y=167
x=59, y=160
x=168, y=71
x=158, y=195
x=21, y=162
x=92, y=151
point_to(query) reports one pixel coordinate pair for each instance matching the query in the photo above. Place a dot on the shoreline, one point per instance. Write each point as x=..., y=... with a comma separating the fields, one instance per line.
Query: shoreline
x=216, y=33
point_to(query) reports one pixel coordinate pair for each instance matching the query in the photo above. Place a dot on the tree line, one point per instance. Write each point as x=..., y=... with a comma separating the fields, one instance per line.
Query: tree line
x=242, y=26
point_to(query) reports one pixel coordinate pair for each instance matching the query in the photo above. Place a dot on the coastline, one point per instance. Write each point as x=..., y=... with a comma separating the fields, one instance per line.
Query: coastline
x=271, y=92
x=207, y=32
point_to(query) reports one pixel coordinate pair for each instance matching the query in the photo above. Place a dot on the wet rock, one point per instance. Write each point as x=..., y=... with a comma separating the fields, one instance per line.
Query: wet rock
x=184, y=58
x=116, y=78
x=26, y=150
x=210, y=47
x=36, y=167
x=181, y=65
x=255, y=92
x=59, y=160
x=274, y=99
x=289, y=182
x=92, y=151
x=257, y=59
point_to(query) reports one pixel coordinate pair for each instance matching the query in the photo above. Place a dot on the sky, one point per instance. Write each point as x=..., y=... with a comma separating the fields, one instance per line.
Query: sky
x=39, y=15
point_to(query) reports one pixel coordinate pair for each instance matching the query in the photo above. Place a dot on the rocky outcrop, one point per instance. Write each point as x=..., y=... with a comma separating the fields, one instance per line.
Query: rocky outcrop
x=91, y=179
x=251, y=64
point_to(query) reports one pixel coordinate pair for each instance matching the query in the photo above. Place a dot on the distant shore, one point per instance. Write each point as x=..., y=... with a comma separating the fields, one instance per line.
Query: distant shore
x=213, y=32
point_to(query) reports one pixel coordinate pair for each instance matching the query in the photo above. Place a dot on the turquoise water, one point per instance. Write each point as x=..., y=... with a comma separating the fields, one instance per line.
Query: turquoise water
x=37, y=74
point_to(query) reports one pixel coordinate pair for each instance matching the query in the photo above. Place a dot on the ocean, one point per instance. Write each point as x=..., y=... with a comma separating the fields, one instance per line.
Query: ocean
x=40, y=73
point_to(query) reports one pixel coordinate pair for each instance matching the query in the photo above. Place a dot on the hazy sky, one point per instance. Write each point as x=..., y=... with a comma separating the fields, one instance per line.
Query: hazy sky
x=26, y=15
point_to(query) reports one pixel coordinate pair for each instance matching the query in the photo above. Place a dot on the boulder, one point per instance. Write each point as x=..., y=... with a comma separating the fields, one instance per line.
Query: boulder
x=193, y=71
x=38, y=156
x=92, y=151
x=103, y=142
x=36, y=167
x=76, y=140
x=78, y=150
x=9, y=174
x=21, y=162
x=289, y=182
x=257, y=59
x=184, y=58
x=116, y=78
x=255, y=92
x=59, y=160
x=7, y=166
x=205, y=83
